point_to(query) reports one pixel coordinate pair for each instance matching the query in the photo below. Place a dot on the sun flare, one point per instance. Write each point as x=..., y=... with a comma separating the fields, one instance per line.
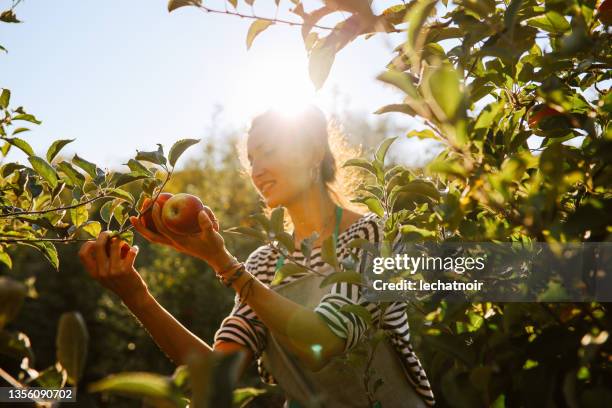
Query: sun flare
x=278, y=81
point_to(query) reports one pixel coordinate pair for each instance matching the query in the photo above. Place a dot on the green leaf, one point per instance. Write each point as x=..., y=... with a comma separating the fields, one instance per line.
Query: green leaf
x=373, y=205
x=12, y=295
x=137, y=168
x=262, y=220
x=5, y=98
x=286, y=240
x=20, y=130
x=362, y=163
x=51, y=377
x=15, y=345
x=358, y=310
x=416, y=17
x=48, y=250
x=91, y=229
x=45, y=170
x=89, y=167
x=401, y=108
x=242, y=396
x=277, y=220
x=76, y=178
x=328, y=252
x=9, y=168
x=179, y=148
x=248, y=231
x=344, y=276
x=55, y=148
x=9, y=16
x=364, y=244
x=5, y=258
x=256, y=28
x=71, y=343
x=106, y=211
x=425, y=234
x=129, y=178
x=401, y=81
x=78, y=215
x=286, y=270
x=381, y=152
x=422, y=134
x=510, y=15
x=21, y=144
x=155, y=157
x=27, y=117
x=320, y=62
x=552, y=22
x=551, y=162
x=121, y=194
x=422, y=187
x=138, y=384
x=445, y=87
x=174, y=4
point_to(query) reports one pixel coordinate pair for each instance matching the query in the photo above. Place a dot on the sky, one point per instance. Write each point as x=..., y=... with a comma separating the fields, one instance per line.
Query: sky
x=124, y=75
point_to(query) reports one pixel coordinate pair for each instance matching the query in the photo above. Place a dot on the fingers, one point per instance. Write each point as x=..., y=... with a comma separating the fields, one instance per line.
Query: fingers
x=87, y=257
x=147, y=233
x=206, y=224
x=102, y=259
x=115, y=255
x=211, y=216
x=131, y=256
x=161, y=227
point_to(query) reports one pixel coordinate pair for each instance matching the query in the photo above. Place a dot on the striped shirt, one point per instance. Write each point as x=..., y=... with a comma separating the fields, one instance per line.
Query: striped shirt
x=242, y=326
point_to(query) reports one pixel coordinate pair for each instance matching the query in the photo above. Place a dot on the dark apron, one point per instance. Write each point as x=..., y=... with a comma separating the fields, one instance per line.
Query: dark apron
x=338, y=384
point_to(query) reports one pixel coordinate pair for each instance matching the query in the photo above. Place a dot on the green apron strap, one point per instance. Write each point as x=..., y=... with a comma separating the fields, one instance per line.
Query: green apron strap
x=281, y=259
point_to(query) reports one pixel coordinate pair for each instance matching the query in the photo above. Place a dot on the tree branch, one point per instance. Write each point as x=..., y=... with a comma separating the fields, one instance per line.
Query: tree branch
x=254, y=17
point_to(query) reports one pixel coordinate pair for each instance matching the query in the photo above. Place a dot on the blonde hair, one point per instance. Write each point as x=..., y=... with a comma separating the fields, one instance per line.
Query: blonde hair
x=311, y=124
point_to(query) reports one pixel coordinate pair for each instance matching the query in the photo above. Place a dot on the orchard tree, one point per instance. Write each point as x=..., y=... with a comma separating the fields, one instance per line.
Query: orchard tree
x=48, y=201
x=517, y=93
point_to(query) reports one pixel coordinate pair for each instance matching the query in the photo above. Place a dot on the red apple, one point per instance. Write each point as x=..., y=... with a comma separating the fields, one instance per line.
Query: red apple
x=125, y=248
x=147, y=210
x=539, y=113
x=180, y=213
x=605, y=12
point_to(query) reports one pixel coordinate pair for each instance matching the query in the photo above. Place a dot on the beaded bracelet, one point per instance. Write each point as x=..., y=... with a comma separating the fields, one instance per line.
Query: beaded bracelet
x=230, y=265
x=236, y=273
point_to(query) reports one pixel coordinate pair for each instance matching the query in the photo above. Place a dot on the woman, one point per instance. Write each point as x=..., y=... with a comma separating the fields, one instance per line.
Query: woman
x=291, y=165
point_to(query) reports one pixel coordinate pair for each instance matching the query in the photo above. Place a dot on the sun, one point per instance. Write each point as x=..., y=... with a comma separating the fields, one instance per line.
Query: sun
x=278, y=81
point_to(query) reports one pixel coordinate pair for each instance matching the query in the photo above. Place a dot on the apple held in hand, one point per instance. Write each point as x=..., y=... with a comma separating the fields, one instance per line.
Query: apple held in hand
x=180, y=213
x=147, y=213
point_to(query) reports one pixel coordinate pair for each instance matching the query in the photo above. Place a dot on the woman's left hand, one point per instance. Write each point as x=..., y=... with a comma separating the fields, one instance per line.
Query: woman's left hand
x=207, y=244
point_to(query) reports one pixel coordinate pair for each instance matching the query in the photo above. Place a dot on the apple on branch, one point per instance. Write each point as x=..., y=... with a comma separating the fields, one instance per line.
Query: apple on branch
x=180, y=213
x=147, y=214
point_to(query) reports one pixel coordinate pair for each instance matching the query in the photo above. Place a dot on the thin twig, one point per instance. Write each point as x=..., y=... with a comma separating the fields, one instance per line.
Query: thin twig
x=254, y=17
x=68, y=207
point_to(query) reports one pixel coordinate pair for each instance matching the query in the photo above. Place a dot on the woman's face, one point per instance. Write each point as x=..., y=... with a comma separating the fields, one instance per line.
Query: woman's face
x=281, y=167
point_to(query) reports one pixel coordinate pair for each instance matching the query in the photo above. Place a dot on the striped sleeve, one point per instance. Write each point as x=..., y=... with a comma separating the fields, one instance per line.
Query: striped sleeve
x=345, y=324
x=395, y=322
x=243, y=326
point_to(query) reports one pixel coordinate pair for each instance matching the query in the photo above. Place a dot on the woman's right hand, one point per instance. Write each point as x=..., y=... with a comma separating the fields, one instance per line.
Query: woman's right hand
x=106, y=264
x=207, y=244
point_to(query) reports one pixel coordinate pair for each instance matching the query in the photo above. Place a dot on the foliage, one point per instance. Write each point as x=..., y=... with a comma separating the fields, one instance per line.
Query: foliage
x=489, y=80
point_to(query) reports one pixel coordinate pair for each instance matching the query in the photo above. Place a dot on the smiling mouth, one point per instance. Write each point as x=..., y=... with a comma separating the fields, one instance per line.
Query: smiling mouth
x=267, y=185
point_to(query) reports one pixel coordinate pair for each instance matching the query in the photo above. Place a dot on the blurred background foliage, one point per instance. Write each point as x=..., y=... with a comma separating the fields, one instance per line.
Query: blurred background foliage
x=185, y=286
